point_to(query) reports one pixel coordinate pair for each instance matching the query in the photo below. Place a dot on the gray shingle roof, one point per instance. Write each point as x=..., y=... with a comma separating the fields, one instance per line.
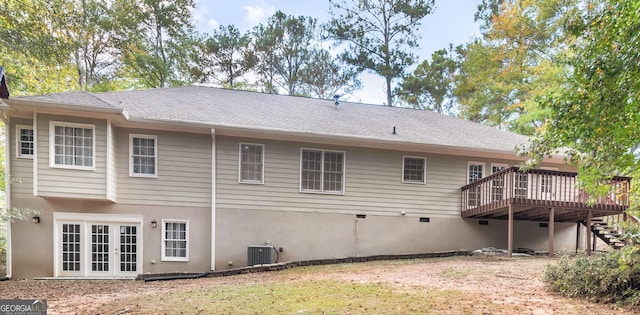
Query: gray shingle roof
x=233, y=108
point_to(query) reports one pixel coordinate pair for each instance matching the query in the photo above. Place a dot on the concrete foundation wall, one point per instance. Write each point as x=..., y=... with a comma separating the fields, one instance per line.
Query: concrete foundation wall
x=305, y=236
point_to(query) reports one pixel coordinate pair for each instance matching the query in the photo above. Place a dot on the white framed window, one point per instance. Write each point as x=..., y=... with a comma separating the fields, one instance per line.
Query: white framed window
x=497, y=184
x=251, y=163
x=414, y=170
x=322, y=171
x=475, y=171
x=25, y=142
x=72, y=145
x=143, y=155
x=175, y=240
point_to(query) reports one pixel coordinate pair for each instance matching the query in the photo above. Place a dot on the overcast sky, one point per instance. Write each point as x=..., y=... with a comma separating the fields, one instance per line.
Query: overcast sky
x=451, y=22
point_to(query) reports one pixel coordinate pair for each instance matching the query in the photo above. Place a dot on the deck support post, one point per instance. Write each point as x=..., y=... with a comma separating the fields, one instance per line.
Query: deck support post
x=588, y=236
x=510, y=232
x=551, y=230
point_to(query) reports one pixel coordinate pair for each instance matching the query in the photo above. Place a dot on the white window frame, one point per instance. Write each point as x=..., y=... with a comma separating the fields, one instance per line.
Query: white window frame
x=52, y=135
x=322, y=190
x=155, y=155
x=249, y=181
x=469, y=163
x=424, y=169
x=498, y=165
x=19, y=141
x=164, y=244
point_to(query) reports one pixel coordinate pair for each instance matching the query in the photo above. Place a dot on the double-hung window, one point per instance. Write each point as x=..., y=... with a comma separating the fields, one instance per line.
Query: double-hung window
x=25, y=141
x=175, y=240
x=251, y=163
x=475, y=171
x=322, y=171
x=72, y=145
x=413, y=170
x=143, y=153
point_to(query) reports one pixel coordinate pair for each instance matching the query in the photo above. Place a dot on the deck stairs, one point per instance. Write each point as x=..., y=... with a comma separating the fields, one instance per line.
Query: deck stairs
x=609, y=233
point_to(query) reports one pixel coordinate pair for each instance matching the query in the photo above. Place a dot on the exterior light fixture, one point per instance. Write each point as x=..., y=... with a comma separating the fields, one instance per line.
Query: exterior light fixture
x=154, y=223
x=36, y=219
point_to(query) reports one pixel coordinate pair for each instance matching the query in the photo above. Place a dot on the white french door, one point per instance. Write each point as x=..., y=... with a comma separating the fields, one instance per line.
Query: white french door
x=97, y=248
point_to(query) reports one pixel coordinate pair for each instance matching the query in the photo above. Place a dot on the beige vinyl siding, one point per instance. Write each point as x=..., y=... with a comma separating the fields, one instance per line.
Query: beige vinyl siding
x=72, y=183
x=184, y=170
x=112, y=175
x=21, y=172
x=373, y=182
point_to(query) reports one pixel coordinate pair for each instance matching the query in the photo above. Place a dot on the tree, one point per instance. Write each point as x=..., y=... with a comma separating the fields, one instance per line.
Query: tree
x=155, y=39
x=225, y=56
x=325, y=76
x=380, y=34
x=595, y=113
x=503, y=73
x=430, y=86
x=283, y=48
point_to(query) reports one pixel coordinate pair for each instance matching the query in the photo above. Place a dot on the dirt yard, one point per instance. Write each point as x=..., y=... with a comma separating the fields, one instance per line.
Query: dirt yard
x=509, y=282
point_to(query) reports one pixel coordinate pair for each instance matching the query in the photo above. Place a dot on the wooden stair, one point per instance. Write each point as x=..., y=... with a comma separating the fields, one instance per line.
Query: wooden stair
x=609, y=234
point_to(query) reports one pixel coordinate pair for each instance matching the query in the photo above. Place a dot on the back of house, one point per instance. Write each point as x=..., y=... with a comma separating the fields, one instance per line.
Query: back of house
x=194, y=179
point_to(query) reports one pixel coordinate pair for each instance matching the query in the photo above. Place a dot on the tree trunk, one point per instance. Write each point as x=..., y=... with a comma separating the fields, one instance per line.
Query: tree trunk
x=389, y=92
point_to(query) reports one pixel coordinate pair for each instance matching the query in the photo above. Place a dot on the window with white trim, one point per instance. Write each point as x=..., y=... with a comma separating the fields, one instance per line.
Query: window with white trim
x=413, y=170
x=497, y=184
x=25, y=141
x=143, y=155
x=322, y=171
x=251, y=169
x=475, y=171
x=175, y=240
x=72, y=145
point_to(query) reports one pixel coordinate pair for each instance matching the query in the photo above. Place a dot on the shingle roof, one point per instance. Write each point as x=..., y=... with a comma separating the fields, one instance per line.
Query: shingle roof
x=299, y=115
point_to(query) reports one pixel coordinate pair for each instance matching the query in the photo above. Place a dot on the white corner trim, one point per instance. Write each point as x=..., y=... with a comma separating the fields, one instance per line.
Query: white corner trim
x=35, y=153
x=7, y=191
x=213, y=199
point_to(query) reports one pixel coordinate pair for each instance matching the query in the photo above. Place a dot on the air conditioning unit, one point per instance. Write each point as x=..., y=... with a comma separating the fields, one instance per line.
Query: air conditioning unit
x=261, y=255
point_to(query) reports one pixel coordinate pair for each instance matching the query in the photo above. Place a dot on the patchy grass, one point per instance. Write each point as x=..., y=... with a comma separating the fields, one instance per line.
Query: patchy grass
x=308, y=297
x=455, y=285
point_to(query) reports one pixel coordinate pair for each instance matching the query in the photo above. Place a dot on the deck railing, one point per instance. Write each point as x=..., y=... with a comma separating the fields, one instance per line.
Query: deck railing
x=545, y=188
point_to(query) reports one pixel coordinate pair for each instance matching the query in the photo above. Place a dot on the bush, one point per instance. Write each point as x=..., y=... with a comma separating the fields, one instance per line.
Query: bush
x=612, y=277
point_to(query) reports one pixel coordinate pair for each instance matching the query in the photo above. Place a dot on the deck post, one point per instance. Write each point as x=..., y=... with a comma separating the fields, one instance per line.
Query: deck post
x=510, y=232
x=588, y=236
x=551, y=230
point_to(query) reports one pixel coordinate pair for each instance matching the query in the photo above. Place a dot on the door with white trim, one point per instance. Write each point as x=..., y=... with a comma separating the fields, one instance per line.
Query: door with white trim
x=98, y=248
x=113, y=249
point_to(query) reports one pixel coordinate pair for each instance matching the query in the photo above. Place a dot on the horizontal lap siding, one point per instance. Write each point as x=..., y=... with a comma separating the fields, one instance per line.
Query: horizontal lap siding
x=184, y=170
x=72, y=183
x=21, y=172
x=373, y=182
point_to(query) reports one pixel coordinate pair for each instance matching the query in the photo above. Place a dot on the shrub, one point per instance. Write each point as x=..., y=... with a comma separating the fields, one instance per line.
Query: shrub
x=612, y=277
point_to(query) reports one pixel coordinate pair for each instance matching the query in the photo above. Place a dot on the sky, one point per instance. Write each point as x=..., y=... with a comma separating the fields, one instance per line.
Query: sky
x=451, y=22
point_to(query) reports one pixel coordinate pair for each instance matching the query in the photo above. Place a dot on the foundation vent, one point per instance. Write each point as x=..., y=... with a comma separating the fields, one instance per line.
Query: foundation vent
x=261, y=255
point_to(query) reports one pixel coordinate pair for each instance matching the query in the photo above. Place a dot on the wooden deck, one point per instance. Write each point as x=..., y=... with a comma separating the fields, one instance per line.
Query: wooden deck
x=532, y=195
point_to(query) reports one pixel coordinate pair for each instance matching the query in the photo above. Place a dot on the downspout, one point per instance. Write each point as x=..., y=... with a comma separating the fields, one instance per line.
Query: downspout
x=213, y=199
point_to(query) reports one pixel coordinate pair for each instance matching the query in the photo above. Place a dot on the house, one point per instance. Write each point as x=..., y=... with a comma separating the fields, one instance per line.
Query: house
x=186, y=179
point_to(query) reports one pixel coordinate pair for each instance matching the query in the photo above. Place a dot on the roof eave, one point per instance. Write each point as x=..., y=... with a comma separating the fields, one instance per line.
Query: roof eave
x=11, y=102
